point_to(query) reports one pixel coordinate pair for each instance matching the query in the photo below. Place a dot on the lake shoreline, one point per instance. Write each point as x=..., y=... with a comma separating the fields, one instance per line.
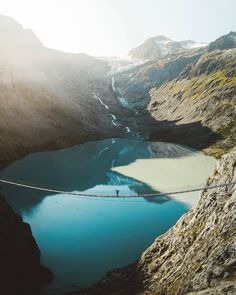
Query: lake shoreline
x=59, y=232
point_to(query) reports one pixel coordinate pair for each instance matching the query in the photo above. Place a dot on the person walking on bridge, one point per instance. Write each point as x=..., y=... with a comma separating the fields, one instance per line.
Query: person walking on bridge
x=117, y=193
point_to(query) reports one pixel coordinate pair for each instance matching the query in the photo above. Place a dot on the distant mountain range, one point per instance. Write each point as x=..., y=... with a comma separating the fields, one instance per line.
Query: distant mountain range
x=51, y=99
x=161, y=46
x=193, y=91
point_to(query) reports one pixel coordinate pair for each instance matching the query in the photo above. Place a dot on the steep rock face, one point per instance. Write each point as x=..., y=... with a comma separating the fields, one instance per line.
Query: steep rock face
x=205, y=92
x=189, y=95
x=20, y=269
x=199, y=251
x=135, y=84
x=196, y=256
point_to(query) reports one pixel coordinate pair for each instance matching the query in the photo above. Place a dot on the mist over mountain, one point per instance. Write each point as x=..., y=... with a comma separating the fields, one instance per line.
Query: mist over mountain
x=47, y=96
x=65, y=96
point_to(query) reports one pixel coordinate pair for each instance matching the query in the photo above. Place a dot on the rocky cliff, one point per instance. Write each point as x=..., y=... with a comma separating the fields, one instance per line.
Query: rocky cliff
x=197, y=256
x=189, y=95
x=204, y=92
x=20, y=269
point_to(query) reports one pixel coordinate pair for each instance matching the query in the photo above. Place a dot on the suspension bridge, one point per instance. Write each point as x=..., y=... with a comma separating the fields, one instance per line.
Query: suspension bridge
x=117, y=192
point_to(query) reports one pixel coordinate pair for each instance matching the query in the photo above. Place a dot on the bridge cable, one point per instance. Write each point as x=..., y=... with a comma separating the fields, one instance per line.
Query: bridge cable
x=57, y=191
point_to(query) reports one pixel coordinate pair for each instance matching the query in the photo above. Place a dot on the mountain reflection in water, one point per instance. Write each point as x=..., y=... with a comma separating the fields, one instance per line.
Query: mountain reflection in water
x=83, y=238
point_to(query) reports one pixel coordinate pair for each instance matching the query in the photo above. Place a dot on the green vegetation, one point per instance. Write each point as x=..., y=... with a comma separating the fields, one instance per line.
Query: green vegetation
x=214, y=93
x=229, y=129
x=228, y=133
x=202, y=87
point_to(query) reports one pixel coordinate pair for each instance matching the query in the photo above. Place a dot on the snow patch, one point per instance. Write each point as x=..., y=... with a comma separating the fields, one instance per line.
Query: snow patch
x=162, y=42
x=192, y=45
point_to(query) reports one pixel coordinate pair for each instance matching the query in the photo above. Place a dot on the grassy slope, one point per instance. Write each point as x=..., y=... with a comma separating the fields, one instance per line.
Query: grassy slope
x=204, y=92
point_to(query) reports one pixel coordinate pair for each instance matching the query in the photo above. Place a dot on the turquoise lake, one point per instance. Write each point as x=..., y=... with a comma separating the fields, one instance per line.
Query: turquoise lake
x=81, y=238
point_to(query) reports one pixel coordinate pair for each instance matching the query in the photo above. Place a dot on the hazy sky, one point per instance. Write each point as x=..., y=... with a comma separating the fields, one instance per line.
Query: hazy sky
x=113, y=27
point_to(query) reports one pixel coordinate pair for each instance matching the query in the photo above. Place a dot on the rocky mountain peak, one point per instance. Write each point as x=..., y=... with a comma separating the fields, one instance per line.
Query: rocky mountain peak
x=224, y=42
x=161, y=46
x=17, y=43
x=13, y=33
x=161, y=38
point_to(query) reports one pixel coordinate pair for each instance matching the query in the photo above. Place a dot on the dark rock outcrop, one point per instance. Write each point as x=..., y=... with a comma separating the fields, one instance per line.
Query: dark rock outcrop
x=20, y=268
x=196, y=256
